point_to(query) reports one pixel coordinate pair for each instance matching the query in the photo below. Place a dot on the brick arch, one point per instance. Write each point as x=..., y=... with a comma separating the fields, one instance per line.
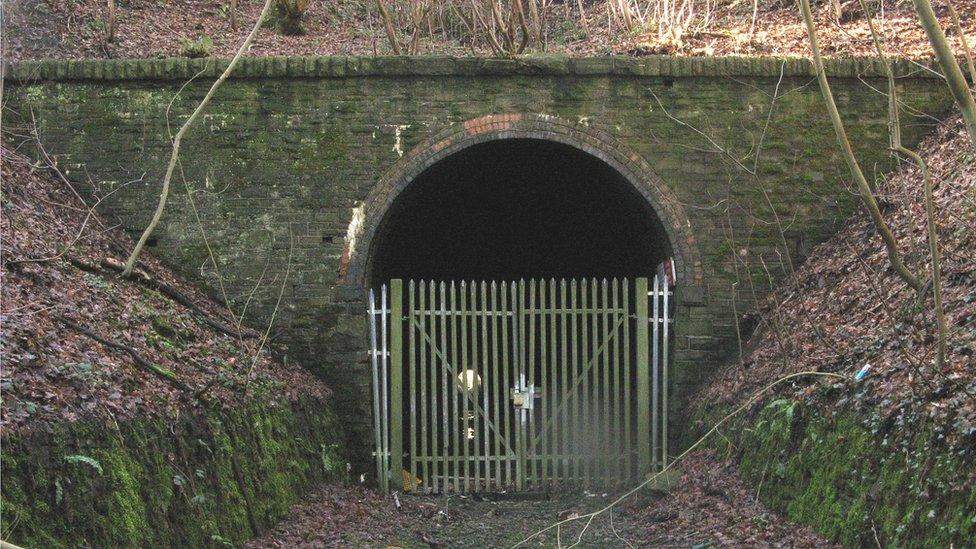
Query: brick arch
x=369, y=217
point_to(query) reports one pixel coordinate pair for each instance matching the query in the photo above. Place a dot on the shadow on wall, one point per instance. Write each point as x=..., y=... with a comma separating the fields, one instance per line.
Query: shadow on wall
x=518, y=208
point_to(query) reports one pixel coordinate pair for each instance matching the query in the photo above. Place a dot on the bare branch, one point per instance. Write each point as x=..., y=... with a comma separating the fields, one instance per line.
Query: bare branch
x=965, y=44
x=950, y=67
x=142, y=363
x=747, y=404
x=894, y=256
x=164, y=193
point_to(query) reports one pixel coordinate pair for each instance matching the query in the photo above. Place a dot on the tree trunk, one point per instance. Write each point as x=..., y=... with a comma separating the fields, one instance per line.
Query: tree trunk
x=388, y=25
x=965, y=44
x=862, y=184
x=536, y=23
x=953, y=74
x=110, y=31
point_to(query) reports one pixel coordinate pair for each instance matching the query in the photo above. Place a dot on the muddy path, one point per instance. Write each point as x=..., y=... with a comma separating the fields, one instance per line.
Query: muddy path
x=708, y=506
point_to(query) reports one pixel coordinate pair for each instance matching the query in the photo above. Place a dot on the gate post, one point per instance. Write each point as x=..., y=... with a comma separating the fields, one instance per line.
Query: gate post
x=396, y=382
x=643, y=381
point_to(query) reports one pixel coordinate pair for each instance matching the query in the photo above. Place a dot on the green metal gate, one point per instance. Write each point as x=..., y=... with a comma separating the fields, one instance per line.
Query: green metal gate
x=536, y=384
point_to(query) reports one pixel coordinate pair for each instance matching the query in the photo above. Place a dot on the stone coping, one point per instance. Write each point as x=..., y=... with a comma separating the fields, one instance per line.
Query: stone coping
x=419, y=66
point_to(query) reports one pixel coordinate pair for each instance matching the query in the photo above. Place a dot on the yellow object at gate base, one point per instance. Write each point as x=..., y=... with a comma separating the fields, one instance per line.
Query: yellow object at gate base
x=410, y=482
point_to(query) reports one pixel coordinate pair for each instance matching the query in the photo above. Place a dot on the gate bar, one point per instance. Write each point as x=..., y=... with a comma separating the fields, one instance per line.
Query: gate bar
x=485, y=388
x=384, y=358
x=664, y=372
x=615, y=433
x=449, y=385
x=496, y=387
x=587, y=318
x=551, y=389
x=518, y=357
x=655, y=375
x=445, y=437
x=606, y=442
x=396, y=381
x=412, y=383
x=377, y=420
x=643, y=381
x=628, y=441
x=508, y=302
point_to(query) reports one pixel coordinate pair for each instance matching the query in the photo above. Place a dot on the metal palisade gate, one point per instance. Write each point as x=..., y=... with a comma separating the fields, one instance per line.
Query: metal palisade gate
x=490, y=386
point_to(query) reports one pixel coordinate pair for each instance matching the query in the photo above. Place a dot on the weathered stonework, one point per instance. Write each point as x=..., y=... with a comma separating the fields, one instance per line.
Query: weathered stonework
x=296, y=160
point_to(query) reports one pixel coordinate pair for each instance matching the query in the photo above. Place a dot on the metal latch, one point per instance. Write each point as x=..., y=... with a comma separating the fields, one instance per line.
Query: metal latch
x=523, y=399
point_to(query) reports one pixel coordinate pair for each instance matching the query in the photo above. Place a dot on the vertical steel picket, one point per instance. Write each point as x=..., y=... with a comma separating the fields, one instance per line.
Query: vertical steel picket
x=384, y=387
x=628, y=442
x=665, y=318
x=552, y=397
x=377, y=419
x=655, y=374
x=529, y=368
x=445, y=413
x=506, y=379
x=643, y=380
x=496, y=386
x=519, y=354
x=396, y=382
x=605, y=438
x=412, y=431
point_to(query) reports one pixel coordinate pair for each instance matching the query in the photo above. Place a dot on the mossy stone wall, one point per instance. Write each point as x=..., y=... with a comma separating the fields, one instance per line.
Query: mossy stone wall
x=291, y=147
x=859, y=481
x=215, y=479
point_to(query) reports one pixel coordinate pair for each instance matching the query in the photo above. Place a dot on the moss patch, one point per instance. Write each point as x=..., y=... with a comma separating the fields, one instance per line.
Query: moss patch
x=217, y=478
x=850, y=481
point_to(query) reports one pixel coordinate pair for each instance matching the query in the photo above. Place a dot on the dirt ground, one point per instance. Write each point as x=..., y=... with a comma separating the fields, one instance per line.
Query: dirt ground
x=708, y=506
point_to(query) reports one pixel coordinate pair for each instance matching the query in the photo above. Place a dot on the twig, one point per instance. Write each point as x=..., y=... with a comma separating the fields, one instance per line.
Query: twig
x=165, y=375
x=274, y=313
x=965, y=44
x=77, y=237
x=947, y=60
x=730, y=415
x=210, y=253
x=614, y=530
x=761, y=480
x=50, y=162
x=154, y=283
x=933, y=237
x=707, y=137
x=164, y=193
x=871, y=276
x=894, y=256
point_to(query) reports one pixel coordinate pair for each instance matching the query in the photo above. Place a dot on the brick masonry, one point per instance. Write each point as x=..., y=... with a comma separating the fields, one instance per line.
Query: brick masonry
x=297, y=159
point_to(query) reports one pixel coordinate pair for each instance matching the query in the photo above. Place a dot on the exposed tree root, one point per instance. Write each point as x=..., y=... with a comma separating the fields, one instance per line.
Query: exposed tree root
x=144, y=278
x=142, y=363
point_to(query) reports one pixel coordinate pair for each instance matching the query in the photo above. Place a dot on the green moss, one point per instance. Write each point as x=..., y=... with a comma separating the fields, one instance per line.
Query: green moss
x=127, y=522
x=319, y=152
x=224, y=476
x=849, y=482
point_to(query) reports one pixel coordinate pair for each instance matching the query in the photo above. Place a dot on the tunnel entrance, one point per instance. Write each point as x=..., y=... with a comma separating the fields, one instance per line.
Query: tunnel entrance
x=520, y=322
x=518, y=208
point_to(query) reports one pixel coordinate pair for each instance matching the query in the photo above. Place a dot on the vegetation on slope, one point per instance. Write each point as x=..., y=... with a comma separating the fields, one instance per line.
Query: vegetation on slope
x=200, y=28
x=136, y=412
x=891, y=455
x=80, y=342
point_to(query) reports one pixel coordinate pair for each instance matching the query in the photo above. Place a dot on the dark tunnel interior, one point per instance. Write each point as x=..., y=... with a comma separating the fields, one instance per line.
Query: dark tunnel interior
x=518, y=208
